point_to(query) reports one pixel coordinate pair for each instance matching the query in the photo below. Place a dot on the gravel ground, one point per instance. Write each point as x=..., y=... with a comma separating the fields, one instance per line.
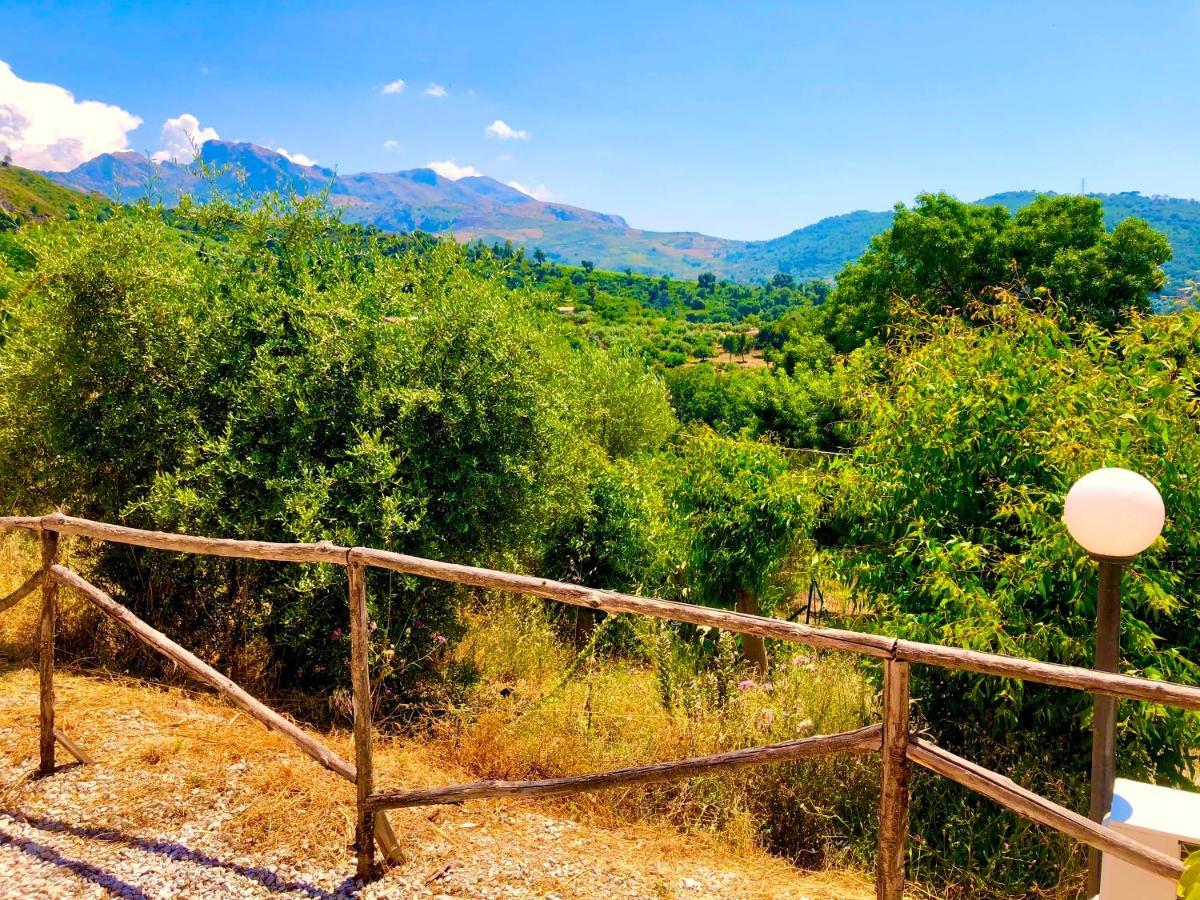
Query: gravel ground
x=44, y=857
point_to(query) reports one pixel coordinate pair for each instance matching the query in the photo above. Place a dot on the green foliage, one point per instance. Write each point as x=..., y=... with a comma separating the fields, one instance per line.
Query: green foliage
x=794, y=342
x=661, y=321
x=745, y=513
x=628, y=411
x=271, y=374
x=945, y=255
x=618, y=540
x=1177, y=219
x=953, y=513
x=804, y=410
x=27, y=197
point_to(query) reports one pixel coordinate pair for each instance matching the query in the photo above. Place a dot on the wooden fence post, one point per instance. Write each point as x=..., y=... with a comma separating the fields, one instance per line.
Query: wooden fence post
x=893, y=783
x=364, y=828
x=46, y=653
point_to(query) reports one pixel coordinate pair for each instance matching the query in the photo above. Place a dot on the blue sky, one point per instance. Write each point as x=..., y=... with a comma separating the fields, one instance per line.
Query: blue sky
x=738, y=119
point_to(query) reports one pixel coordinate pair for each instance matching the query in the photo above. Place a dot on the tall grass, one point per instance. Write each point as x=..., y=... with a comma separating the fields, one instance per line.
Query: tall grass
x=534, y=709
x=20, y=557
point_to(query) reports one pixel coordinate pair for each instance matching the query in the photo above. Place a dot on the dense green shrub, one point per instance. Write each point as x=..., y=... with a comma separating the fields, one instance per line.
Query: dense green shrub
x=271, y=374
x=744, y=515
x=745, y=511
x=803, y=409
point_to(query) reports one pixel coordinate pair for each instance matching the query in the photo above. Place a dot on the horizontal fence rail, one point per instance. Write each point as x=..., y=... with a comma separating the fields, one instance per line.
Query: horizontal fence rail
x=862, y=740
x=898, y=748
x=1032, y=806
x=1126, y=687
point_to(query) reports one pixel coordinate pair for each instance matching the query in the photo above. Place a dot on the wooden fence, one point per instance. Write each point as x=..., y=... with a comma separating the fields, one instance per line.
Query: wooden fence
x=898, y=749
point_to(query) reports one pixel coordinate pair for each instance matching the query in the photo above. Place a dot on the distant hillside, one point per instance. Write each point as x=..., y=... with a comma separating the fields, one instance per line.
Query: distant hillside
x=478, y=207
x=815, y=251
x=485, y=209
x=27, y=196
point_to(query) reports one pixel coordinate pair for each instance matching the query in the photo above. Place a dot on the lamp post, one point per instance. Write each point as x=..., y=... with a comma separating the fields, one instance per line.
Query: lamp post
x=1114, y=514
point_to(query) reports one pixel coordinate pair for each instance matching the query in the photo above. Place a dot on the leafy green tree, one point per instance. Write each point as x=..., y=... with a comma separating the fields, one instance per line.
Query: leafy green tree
x=945, y=255
x=794, y=342
x=954, y=513
x=615, y=542
x=805, y=412
x=628, y=411
x=720, y=400
x=744, y=513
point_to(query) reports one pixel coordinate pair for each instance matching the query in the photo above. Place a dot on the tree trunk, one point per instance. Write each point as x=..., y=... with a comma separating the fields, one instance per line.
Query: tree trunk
x=752, y=645
x=585, y=625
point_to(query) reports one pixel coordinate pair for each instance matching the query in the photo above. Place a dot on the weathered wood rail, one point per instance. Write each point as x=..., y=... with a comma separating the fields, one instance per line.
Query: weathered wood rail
x=898, y=749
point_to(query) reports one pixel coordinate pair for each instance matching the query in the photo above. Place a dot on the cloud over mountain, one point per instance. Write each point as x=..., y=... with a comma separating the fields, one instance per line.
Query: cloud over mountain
x=181, y=139
x=541, y=192
x=448, y=168
x=43, y=126
x=299, y=159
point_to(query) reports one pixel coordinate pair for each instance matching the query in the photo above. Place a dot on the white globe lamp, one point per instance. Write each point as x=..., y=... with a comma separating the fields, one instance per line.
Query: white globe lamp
x=1114, y=514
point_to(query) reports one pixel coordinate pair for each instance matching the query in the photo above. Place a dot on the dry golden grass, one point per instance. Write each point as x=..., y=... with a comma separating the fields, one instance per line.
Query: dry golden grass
x=18, y=626
x=535, y=711
x=171, y=762
x=20, y=556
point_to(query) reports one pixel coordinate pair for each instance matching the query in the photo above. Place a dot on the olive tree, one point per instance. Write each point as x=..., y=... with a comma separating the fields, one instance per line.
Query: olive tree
x=272, y=374
x=743, y=513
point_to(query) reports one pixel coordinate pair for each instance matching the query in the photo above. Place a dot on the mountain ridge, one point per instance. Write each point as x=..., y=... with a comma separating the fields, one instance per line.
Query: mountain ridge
x=483, y=208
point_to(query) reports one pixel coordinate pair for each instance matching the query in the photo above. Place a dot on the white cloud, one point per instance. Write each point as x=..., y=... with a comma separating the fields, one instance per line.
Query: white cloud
x=448, y=168
x=505, y=132
x=392, y=144
x=43, y=126
x=541, y=192
x=298, y=158
x=435, y=90
x=181, y=137
x=393, y=87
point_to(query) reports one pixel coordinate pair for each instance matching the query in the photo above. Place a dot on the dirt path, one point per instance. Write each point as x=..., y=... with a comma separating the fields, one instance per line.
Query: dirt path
x=190, y=799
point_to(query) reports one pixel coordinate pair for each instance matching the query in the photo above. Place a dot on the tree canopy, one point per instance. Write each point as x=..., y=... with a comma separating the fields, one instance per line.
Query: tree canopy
x=944, y=255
